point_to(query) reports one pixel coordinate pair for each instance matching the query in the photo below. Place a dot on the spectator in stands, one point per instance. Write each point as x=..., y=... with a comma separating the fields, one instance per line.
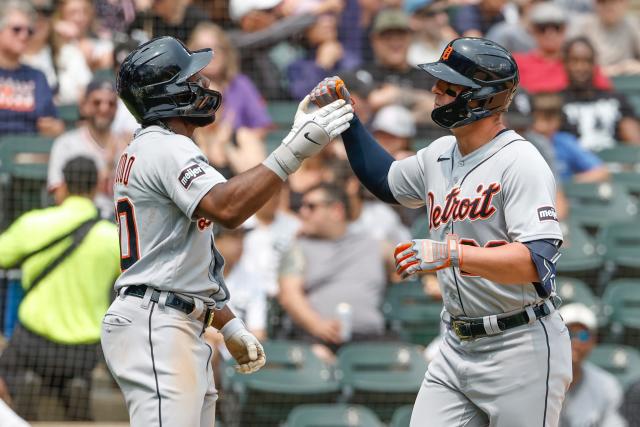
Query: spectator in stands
x=263, y=28
x=26, y=103
x=242, y=104
x=599, y=117
x=429, y=24
x=115, y=16
x=175, y=18
x=328, y=266
x=574, y=162
x=542, y=70
x=515, y=36
x=76, y=23
x=93, y=139
x=39, y=54
x=67, y=291
x=394, y=128
x=615, y=34
x=124, y=123
x=475, y=20
x=325, y=56
x=396, y=80
x=594, y=396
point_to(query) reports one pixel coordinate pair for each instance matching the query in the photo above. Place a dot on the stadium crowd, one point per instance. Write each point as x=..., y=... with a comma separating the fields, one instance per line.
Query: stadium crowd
x=58, y=62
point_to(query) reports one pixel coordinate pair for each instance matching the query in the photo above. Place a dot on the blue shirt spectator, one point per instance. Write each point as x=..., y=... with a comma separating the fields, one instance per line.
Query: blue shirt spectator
x=25, y=96
x=571, y=158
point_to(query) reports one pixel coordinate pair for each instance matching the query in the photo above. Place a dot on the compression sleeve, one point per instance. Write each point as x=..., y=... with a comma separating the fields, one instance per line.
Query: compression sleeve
x=369, y=161
x=544, y=254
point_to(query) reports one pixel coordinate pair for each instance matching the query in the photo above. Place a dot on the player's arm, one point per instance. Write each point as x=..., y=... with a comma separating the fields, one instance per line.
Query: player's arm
x=232, y=202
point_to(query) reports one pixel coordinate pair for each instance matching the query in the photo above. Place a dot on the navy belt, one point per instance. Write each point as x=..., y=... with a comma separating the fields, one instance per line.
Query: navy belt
x=173, y=301
x=471, y=328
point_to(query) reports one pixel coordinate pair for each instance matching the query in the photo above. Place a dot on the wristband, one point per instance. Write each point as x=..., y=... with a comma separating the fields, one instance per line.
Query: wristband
x=231, y=327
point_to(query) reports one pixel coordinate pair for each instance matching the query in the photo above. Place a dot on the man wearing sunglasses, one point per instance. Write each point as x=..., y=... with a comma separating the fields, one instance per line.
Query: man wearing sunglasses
x=26, y=104
x=166, y=197
x=594, y=396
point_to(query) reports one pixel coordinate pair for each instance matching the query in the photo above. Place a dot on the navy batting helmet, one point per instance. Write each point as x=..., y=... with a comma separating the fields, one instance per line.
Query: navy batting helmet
x=153, y=82
x=488, y=72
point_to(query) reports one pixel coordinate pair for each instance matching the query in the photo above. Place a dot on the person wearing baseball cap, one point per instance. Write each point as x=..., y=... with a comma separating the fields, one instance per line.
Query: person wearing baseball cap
x=594, y=396
x=394, y=127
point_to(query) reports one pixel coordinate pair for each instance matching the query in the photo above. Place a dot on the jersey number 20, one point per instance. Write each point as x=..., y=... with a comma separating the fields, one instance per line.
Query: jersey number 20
x=129, y=249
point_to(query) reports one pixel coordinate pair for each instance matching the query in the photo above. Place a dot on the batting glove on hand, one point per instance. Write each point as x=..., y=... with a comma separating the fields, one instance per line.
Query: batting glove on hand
x=243, y=346
x=309, y=134
x=329, y=90
x=427, y=256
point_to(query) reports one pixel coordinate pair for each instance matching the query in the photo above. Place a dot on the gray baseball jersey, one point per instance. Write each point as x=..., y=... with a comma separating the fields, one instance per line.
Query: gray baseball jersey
x=160, y=179
x=502, y=192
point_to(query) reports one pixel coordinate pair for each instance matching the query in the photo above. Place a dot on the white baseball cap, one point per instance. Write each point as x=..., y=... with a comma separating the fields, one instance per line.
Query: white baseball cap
x=579, y=313
x=239, y=8
x=395, y=120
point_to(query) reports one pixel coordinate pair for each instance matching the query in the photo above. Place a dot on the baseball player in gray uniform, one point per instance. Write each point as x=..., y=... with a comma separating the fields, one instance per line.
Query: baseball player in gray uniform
x=505, y=360
x=166, y=197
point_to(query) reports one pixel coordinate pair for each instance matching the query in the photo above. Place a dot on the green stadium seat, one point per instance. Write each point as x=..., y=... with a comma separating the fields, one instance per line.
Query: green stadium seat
x=629, y=180
x=413, y=314
x=621, y=300
x=282, y=112
x=332, y=415
x=620, y=246
x=579, y=256
x=23, y=173
x=274, y=138
x=402, y=416
x=381, y=375
x=621, y=157
x=596, y=204
x=70, y=115
x=573, y=290
x=630, y=86
x=623, y=362
x=293, y=375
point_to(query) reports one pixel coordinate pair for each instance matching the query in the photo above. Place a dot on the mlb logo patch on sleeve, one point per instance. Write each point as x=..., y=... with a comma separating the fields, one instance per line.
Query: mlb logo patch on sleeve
x=190, y=174
x=547, y=213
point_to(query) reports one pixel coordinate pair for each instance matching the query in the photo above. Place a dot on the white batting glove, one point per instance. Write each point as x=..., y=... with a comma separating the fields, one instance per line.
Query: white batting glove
x=310, y=133
x=243, y=346
x=427, y=256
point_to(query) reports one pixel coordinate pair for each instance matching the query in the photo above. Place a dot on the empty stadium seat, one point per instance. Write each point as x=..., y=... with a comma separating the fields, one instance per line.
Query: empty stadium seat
x=580, y=258
x=630, y=86
x=621, y=157
x=411, y=313
x=573, y=290
x=621, y=300
x=402, y=416
x=282, y=112
x=293, y=375
x=332, y=415
x=596, y=204
x=630, y=180
x=381, y=375
x=623, y=362
x=620, y=246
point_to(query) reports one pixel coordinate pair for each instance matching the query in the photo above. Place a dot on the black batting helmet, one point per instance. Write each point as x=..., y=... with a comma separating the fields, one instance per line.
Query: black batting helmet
x=488, y=72
x=153, y=82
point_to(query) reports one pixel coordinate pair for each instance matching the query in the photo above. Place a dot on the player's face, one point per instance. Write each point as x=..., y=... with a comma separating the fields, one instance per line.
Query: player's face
x=582, y=341
x=445, y=92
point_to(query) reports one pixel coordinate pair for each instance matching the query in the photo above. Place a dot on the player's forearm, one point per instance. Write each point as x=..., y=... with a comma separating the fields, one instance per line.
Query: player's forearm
x=232, y=202
x=221, y=317
x=507, y=264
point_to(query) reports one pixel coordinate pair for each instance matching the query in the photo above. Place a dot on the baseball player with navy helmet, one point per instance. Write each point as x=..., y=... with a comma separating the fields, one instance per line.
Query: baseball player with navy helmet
x=493, y=240
x=166, y=198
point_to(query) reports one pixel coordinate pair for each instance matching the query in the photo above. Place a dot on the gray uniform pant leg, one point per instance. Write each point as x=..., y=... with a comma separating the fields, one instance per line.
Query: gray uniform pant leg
x=161, y=364
x=518, y=378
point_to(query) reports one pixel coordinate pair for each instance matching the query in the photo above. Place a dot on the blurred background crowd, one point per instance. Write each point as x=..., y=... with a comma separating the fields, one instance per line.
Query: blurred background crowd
x=311, y=273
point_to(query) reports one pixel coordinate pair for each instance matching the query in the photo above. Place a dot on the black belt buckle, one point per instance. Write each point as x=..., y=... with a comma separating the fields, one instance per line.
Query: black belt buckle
x=459, y=328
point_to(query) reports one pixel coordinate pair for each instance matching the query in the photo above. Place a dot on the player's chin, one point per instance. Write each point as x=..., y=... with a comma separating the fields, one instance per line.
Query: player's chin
x=201, y=121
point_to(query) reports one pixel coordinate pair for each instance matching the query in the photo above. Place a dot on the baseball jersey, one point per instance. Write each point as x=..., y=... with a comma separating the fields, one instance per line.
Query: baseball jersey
x=160, y=179
x=500, y=193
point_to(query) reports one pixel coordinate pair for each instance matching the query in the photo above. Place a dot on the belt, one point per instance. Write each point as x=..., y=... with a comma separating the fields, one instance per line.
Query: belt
x=471, y=328
x=173, y=301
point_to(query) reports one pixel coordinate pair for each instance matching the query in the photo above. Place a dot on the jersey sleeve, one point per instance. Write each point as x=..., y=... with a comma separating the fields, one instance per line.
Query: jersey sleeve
x=184, y=173
x=529, y=197
x=406, y=181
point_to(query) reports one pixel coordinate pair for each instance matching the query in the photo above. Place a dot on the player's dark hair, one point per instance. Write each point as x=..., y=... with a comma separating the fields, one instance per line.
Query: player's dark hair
x=333, y=194
x=80, y=175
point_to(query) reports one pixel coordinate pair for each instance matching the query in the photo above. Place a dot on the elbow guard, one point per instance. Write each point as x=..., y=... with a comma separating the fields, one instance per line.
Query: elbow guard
x=545, y=254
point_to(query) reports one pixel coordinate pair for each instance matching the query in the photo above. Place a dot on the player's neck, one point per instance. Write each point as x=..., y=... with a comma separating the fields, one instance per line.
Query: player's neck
x=180, y=127
x=477, y=134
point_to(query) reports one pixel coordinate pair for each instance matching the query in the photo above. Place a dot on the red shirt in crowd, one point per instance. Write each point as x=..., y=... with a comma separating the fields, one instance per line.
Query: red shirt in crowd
x=538, y=74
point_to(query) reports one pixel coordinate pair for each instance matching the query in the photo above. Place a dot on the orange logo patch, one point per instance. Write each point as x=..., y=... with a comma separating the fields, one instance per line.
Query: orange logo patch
x=447, y=53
